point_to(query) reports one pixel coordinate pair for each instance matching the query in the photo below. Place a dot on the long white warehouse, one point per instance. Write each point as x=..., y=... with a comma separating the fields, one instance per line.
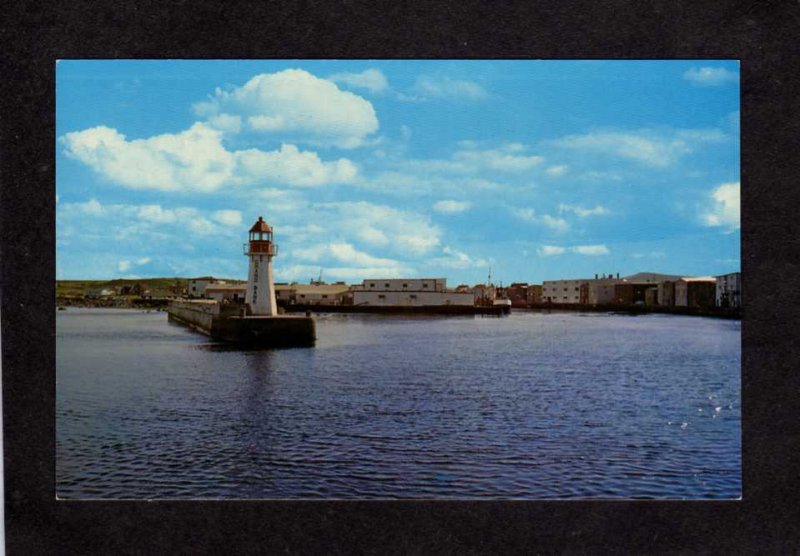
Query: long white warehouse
x=408, y=292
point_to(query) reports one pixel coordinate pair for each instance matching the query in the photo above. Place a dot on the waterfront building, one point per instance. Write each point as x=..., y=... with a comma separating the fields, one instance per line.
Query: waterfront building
x=638, y=285
x=562, y=291
x=403, y=284
x=284, y=293
x=600, y=291
x=593, y=291
x=729, y=290
x=260, y=295
x=319, y=294
x=650, y=278
x=665, y=296
x=408, y=292
x=606, y=289
x=534, y=294
x=626, y=293
x=695, y=291
x=197, y=286
x=229, y=292
x=288, y=294
x=517, y=293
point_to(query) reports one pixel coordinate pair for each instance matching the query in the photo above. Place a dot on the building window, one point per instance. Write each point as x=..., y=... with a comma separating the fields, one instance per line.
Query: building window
x=324, y=297
x=576, y=289
x=302, y=295
x=424, y=285
x=386, y=285
x=381, y=297
x=405, y=285
x=413, y=296
x=372, y=285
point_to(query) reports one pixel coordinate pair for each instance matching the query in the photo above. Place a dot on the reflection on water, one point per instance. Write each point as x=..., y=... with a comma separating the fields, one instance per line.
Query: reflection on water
x=531, y=406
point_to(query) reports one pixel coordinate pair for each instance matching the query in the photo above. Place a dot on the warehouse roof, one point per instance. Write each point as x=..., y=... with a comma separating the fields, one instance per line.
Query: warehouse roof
x=321, y=288
x=226, y=287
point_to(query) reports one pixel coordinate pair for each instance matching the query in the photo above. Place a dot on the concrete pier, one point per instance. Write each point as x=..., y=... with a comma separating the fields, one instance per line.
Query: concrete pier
x=229, y=324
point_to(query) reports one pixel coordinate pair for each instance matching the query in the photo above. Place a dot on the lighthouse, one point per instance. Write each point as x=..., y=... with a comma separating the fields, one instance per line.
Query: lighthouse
x=260, y=297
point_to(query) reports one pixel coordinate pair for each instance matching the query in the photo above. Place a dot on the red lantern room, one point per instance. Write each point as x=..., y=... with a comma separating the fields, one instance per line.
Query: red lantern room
x=261, y=239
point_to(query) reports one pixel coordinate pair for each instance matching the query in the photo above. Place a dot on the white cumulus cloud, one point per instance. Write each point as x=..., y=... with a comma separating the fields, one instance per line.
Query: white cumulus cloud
x=643, y=147
x=226, y=123
x=443, y=87
x=498, y=159
x=91, y=206
x=346, y=253
x=582, y=212
x=155, y=213
x=472, y=160
x=453, y=258
x=196, y=160
x=193, y=159
x=295, y=101
x=228, y=217
x=451, y=207
x=590, y=250
x=126, y=265
x=293, y=166
x=725, y=210
x=404, y=232
x=340, y=260
x=710, y=77
x=129, y=222
x=372, y=80
x=342, y=252
x=554, y=223
x=550, y=250
x=557, y=171
x=526, y=214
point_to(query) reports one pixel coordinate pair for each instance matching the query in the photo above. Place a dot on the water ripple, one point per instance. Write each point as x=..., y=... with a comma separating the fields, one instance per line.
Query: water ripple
x=533, y=406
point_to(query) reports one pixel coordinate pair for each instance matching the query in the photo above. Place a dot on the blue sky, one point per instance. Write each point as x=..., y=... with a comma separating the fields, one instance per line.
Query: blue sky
x=538, y=169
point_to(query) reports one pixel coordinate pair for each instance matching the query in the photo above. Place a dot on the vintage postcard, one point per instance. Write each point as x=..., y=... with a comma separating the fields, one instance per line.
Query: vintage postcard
x=450, y=279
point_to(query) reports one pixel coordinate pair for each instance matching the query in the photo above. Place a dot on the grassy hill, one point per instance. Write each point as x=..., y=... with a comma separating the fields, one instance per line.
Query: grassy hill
x=77, y=288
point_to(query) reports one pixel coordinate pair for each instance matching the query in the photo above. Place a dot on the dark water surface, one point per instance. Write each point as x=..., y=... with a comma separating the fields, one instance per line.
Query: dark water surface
x=559, y=405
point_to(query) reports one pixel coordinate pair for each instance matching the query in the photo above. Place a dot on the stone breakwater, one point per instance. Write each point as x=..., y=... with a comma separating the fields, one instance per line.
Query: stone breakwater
x=228, y=323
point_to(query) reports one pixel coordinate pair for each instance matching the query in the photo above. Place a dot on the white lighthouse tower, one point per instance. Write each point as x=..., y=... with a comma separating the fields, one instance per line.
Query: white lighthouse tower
x=260, y=297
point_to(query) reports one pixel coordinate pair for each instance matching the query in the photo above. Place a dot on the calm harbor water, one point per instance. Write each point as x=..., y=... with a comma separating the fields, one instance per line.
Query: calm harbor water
x=533, y=406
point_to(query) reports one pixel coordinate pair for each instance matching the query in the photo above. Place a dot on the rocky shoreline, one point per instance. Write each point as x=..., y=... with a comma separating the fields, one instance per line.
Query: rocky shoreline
x=111, y=303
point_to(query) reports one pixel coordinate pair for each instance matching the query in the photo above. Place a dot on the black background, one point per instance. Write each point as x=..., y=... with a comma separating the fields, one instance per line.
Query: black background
x=763, y=35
